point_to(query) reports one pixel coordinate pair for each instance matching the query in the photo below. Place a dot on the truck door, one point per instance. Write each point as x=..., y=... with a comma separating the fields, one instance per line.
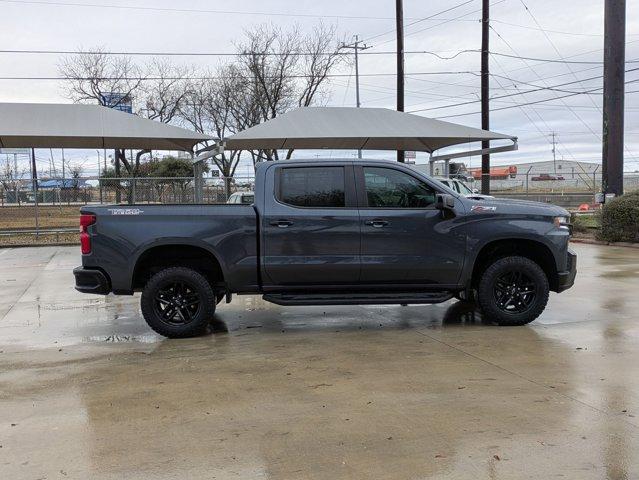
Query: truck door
x=311, y=227
x=405, y=240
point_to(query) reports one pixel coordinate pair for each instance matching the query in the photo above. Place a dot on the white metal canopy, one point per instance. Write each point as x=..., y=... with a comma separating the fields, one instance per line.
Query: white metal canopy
x=42, y=125
x=357, y=128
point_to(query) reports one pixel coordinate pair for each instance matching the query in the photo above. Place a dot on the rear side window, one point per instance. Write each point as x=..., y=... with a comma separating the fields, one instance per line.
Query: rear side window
x=312, y=186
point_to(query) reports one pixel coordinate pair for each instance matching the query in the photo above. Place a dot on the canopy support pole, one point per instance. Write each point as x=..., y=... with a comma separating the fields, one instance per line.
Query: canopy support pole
x=198, y=168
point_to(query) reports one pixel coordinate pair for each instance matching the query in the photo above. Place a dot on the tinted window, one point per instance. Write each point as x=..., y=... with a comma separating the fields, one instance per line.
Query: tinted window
x=312, y=186
x=391, y=188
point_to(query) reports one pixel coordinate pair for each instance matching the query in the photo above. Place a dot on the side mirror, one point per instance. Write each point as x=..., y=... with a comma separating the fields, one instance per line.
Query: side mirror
x=445, y=201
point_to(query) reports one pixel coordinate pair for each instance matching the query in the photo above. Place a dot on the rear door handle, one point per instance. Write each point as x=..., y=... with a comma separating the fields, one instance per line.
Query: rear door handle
x=377, y=223
x=281, y=223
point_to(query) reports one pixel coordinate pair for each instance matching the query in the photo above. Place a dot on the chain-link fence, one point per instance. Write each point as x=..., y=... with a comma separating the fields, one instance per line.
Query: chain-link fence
x=122, y=190
x=534, y=184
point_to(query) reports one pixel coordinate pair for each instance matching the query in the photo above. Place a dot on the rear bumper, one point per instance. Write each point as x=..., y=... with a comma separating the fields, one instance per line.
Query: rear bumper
x=567, y=279
x=91, y=281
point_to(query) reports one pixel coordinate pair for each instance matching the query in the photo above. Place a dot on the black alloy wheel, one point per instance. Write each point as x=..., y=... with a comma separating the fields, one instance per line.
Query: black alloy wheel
x=178, y=302
x=512, y=291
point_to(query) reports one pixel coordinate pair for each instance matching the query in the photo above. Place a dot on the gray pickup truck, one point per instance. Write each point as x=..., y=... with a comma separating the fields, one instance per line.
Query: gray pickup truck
x=329, y=233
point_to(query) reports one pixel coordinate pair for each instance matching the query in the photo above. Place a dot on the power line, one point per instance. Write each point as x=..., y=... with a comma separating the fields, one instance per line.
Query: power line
x=537, y=89
x=526, y=27
x=276, y=54
x=192, y=10
x=531, y=103
x=622, y=40
x=334, y=75
x=430, y=17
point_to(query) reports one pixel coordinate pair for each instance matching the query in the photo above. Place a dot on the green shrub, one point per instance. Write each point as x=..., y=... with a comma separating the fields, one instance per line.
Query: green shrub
x=584, y=223
x=620, y=219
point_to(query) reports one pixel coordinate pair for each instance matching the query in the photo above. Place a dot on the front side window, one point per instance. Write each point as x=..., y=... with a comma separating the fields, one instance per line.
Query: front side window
x=312, y=186
x=390, y=188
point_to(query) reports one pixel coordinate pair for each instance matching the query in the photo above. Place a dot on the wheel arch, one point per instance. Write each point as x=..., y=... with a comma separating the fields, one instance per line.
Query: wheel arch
x=159, y=255
x=534, y=250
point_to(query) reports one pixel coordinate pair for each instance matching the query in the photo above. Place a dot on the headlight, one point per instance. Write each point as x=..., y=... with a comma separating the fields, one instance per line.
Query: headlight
x=561, y=222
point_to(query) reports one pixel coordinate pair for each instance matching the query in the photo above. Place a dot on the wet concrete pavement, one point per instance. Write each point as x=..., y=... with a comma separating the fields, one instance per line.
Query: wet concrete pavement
x=88, y=391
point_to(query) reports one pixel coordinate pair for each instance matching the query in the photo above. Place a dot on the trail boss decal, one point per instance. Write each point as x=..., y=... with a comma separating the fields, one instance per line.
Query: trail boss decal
x=482, y=209
x=125, y=211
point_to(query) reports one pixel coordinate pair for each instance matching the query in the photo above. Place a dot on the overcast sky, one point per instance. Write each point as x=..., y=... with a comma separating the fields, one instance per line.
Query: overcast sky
x=560, y=30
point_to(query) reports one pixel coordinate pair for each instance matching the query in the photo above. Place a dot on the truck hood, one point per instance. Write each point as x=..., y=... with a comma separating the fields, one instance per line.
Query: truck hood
x=518, y=207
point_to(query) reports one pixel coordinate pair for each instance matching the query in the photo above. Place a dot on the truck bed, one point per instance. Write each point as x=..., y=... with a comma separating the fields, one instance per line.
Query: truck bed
x=123, y=232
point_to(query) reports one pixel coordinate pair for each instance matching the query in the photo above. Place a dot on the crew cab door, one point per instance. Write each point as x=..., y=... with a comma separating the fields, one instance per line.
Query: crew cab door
x=405, y=239
x=310, y=226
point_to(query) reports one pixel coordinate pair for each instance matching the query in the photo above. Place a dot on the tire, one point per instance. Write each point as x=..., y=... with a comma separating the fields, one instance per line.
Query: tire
x=512, y=291
x=178, y=302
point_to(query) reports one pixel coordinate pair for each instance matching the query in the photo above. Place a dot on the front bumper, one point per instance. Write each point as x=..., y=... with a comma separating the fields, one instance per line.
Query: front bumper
x=91, y=281
x=566, y=279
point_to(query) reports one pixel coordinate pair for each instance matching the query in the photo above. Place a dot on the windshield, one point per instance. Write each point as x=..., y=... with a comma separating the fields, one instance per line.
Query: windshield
x=464, y=189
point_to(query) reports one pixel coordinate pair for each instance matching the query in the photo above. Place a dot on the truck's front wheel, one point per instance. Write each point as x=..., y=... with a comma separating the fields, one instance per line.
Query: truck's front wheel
x=178, y=302
x=513, y=291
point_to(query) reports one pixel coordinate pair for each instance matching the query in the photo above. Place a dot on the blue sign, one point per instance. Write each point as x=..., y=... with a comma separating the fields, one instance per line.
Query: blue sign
x=117, y=101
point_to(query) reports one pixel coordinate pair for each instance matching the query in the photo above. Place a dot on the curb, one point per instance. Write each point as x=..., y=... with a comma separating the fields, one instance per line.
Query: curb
x=25, y=245
x=607, y=244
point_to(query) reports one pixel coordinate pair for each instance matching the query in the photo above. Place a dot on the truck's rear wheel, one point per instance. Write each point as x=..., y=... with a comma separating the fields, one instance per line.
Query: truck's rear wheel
x=513, y=291
x=178, y=302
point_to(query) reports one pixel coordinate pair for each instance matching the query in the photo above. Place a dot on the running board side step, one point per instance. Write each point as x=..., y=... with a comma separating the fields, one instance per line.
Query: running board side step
x=356, y=298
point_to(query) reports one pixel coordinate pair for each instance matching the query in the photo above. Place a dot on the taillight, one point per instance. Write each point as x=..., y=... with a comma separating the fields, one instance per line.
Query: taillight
x=85, y=239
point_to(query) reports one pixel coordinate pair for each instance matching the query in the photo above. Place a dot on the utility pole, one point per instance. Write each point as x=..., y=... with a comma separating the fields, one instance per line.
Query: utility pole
x=63, y=161
x=399, y=20
x=613, y=95
x=554, y=154
x=356, y=47
x=485, y=90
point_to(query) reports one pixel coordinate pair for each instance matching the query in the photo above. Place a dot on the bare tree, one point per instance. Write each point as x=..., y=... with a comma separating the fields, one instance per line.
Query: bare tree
x=91, y=74
x=164, y=91
x=323, y=55
x=217, y=106
x=287, y=69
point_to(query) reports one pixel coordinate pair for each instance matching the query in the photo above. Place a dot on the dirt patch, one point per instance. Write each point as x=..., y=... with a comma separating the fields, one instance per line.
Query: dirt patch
x=49, y=216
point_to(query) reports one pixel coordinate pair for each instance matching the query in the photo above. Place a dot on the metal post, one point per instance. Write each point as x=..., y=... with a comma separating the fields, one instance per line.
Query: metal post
x=118, y=197
x=613, y=95
x=554, y=155
x=15, y=179
x=34, y=187
x=99, y=181
x=485, y=91
x=399, y=20
x=198, y=182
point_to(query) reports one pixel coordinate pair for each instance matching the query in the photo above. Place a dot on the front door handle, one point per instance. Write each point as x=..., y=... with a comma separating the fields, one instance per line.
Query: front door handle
x=281, y=223
x=377, y=223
